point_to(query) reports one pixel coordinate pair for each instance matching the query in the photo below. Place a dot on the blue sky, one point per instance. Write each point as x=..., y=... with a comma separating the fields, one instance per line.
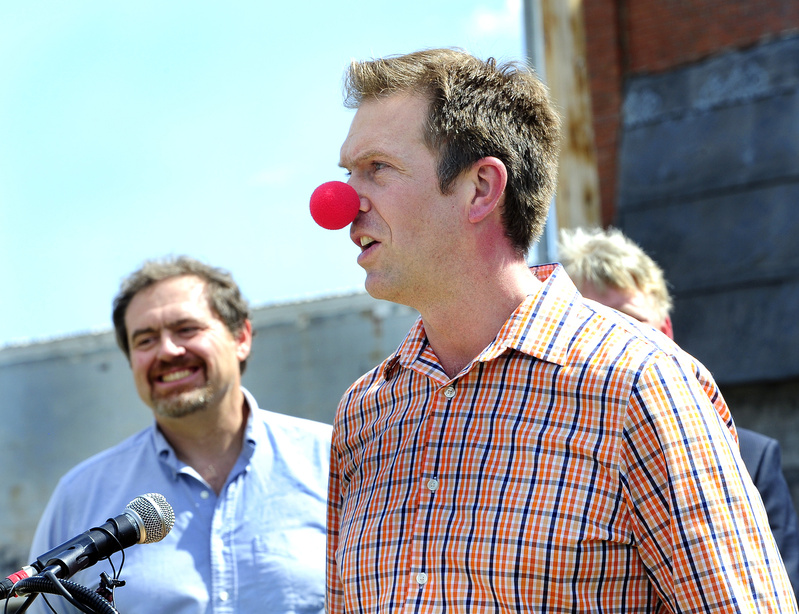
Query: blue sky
x=132, y=130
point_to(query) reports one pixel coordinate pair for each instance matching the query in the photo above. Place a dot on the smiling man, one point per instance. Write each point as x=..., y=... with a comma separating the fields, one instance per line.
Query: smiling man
x=522, y=450
x=247, y=486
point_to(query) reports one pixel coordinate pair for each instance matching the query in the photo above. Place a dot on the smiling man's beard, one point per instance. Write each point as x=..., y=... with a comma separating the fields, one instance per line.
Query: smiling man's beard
x=184, y=403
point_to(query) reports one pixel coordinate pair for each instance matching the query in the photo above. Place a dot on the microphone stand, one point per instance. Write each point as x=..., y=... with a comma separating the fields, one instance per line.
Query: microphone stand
x=148, y=518
x=83, y=598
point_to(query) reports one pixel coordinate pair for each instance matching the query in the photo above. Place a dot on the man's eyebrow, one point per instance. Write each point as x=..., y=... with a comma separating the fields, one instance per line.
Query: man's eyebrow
x=364, y=155
x=141, y=331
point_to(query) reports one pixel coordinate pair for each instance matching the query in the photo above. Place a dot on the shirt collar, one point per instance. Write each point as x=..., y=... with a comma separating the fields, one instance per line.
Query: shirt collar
x=255, y=430
x=539, y=326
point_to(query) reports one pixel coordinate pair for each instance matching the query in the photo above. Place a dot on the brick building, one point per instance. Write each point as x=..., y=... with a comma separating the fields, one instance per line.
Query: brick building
x=695, y=116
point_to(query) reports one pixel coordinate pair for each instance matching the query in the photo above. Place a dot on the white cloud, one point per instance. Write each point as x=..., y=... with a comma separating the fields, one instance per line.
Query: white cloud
x=488, y=21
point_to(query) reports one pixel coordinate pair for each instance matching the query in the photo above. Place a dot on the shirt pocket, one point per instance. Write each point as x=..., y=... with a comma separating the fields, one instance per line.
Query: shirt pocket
x=294, y=562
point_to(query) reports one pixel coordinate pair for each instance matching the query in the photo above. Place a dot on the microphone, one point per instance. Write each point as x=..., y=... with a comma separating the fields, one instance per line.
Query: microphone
x=334, y=205
x=146, y=519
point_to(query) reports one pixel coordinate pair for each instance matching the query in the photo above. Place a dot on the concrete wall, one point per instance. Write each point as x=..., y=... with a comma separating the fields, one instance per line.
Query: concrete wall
x=709, y=186
x=66, y=399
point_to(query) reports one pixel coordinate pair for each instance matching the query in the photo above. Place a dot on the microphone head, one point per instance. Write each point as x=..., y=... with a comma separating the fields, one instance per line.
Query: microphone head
x=156, y=515
x=334, y=205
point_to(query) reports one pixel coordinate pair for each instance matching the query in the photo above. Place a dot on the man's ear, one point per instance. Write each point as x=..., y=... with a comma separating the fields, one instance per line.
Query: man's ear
x=244, y=341
x=666, y=328
x=490, y=178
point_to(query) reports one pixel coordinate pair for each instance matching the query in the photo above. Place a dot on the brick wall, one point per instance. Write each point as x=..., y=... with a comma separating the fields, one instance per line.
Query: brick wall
x=664, y=34
x=605, y=70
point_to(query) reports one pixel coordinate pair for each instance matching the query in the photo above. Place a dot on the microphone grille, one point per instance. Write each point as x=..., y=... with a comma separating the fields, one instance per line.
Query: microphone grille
x=156, y=514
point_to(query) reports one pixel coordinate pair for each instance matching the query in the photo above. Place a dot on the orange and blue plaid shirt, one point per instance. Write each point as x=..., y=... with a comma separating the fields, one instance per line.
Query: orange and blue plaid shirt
x=578, y=464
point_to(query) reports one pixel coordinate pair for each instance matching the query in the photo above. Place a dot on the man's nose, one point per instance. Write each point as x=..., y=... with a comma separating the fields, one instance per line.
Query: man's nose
x=364, y=203
x=169, y=347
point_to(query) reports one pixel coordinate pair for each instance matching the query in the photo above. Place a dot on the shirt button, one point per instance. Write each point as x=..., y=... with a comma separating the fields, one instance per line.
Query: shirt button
x=204, y=494
x=223, y=596
x=449, y=392
x=432, y=484
x=421, y=577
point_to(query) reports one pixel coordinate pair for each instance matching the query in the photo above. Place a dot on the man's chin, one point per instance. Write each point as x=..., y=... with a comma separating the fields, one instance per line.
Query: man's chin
x=378, y=288
x=182, y=403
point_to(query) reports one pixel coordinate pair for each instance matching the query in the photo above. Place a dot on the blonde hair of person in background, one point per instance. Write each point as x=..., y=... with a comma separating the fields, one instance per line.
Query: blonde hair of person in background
x=608, y=267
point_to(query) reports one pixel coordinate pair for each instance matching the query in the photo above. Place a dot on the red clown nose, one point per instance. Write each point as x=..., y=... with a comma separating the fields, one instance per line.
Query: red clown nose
x=334, y=205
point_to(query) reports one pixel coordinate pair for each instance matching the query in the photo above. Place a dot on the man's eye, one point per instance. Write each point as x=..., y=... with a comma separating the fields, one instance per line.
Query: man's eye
x=143, y=342
x=379, y=165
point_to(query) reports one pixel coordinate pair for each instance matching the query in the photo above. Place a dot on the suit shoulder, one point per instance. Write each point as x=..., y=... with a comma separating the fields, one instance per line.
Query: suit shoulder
x=753, y=438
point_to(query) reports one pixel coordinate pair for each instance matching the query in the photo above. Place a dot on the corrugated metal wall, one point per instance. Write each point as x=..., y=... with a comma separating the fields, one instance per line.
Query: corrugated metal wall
x=66, y=399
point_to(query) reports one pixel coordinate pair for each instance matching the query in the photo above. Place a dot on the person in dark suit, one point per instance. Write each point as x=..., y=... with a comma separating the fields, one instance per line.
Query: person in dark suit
x=763, y=460
x=608, y=267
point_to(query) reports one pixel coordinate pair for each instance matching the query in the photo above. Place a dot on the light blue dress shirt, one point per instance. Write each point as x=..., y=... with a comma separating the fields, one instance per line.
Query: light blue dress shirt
x=258, y=547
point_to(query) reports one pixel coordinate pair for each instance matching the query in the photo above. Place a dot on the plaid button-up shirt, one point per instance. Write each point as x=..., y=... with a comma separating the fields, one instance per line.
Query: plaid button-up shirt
x=580, y=463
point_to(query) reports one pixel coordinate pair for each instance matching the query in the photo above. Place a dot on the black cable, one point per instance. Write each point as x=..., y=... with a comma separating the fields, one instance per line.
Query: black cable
x=115, y=573
x=60, y=589
x=26, y=604
x=85, y=599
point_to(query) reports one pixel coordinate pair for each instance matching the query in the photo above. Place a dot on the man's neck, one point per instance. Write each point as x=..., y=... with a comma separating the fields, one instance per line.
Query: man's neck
x=210, y=440
x=460, y=328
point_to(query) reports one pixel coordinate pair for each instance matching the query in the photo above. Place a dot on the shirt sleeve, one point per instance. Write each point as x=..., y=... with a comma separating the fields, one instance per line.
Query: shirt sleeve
x=334, y=598
x=700, y=527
